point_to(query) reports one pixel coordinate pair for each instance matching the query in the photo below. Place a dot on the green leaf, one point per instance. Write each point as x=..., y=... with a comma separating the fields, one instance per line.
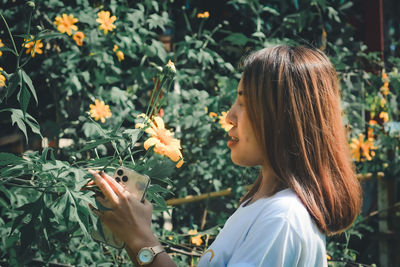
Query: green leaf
x=12, y=84
x=161, y=169
x=296, y=4
x=28, y=81
x=237, y=39
x=133, y=134
x=75, y=214
x=18, y=117
x=47, y=34
x=17, y=222
x=90, y=129
x=8, y=158
x=95, y=143
x=23, y=98
x=28, y=235
x=271, y=10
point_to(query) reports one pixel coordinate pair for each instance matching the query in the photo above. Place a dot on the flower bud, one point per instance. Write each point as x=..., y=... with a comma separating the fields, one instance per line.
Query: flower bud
x=169, y=69
x=30, y=4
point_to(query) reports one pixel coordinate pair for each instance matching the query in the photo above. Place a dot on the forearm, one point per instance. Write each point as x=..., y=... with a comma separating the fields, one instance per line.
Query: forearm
x=161, y=260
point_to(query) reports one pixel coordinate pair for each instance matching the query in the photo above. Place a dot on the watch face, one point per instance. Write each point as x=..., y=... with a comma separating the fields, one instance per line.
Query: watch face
x=145, y=255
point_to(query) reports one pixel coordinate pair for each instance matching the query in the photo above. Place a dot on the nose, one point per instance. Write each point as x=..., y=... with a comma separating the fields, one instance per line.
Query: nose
x=230, y=117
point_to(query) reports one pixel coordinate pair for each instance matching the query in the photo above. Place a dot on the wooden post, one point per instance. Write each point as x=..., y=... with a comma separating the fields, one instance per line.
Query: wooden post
x=383, y=204
x=373, y=21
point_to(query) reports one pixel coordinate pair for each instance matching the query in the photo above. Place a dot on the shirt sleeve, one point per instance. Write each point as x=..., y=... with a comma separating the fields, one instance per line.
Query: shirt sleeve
x=269, y=242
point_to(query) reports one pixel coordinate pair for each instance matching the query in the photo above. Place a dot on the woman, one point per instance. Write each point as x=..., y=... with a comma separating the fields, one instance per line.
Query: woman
x=286, y=119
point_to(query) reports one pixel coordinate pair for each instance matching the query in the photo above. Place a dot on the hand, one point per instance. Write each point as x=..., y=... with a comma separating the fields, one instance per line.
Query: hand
x=128, y=219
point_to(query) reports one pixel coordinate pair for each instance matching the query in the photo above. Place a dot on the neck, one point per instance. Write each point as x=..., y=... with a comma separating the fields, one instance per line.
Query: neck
x=269, y=184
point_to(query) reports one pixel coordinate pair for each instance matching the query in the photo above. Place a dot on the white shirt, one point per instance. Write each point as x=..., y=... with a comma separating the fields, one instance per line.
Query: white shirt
x=274, y=231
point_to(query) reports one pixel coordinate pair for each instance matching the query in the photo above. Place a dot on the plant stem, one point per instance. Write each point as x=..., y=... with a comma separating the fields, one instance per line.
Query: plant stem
x=9, y=32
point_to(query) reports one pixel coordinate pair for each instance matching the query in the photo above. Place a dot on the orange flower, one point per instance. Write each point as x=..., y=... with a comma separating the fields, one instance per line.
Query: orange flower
x=371, y=130
x=162, y=139
x=2, y=79
x=213, y=115
x=385, y=88
x=1, y=45
x=78, y=37
x=196, y=240
x=204, y=15
x=33, y=47
x=100, y=111
x=106, y=22
x=361, y=149
x=384, y=116
x=224, y=124
x=119, y=53
x=65, y=24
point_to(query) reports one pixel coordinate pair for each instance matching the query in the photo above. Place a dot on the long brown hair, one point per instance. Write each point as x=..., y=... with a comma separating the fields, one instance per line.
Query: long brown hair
x=293, y=102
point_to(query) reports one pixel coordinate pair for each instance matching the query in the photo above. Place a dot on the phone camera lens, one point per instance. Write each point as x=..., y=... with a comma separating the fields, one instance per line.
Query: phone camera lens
x=120, y=172
x=117, y=179
x=125, y=178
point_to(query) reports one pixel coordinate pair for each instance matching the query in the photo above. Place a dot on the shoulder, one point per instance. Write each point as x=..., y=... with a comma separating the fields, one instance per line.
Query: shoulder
x=285, y=208
x=284, y=204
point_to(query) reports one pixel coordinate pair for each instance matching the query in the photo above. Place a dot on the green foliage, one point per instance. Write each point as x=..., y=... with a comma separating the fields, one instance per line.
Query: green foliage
x=44, y=215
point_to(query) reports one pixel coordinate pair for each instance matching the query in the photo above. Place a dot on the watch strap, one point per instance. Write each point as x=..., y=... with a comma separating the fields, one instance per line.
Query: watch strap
x=157, y=249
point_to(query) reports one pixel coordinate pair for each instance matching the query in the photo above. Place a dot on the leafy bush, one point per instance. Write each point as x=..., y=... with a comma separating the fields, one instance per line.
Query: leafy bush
x=49, y=92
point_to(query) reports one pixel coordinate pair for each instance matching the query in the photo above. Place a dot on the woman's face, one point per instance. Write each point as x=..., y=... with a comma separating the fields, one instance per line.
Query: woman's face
x=245, y=148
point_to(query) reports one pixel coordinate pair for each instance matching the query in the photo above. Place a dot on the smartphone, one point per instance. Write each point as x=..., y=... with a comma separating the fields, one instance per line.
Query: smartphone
x=136, y=184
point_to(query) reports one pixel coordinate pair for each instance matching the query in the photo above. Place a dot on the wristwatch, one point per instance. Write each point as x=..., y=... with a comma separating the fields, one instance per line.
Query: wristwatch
x=146, y=255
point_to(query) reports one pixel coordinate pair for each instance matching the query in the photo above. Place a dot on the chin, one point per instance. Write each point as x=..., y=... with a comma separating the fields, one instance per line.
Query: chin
x=243, y=162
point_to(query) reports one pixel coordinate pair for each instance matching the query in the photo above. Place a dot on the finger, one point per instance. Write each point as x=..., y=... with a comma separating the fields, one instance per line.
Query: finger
x=118, y=188
x=95, y=211
x=147, y=204
x=105, y=188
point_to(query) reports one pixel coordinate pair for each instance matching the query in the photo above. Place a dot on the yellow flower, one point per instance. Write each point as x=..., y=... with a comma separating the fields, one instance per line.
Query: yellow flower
x=119, y=53
x=328, y=257
x=106, y=22
x=204, y=15
x=196, y=240
x=162, y=139
x=65, y=23
x=213, y=115
x=192, y=232
x=383, y=102
x=371, y=130
x=78, y=38
x=224, y=124
x=361, y=149
x=384, y=116
x=2, y=79
x=33, y=47
x=1, y=45
x=385, y=88
x=100, y=111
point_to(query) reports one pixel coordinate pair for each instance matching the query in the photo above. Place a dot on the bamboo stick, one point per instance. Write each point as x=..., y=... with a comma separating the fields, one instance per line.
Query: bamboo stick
x=228, y=191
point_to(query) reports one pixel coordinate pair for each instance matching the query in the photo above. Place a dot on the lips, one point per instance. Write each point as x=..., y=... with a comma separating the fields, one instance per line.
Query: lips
x=234, y=140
